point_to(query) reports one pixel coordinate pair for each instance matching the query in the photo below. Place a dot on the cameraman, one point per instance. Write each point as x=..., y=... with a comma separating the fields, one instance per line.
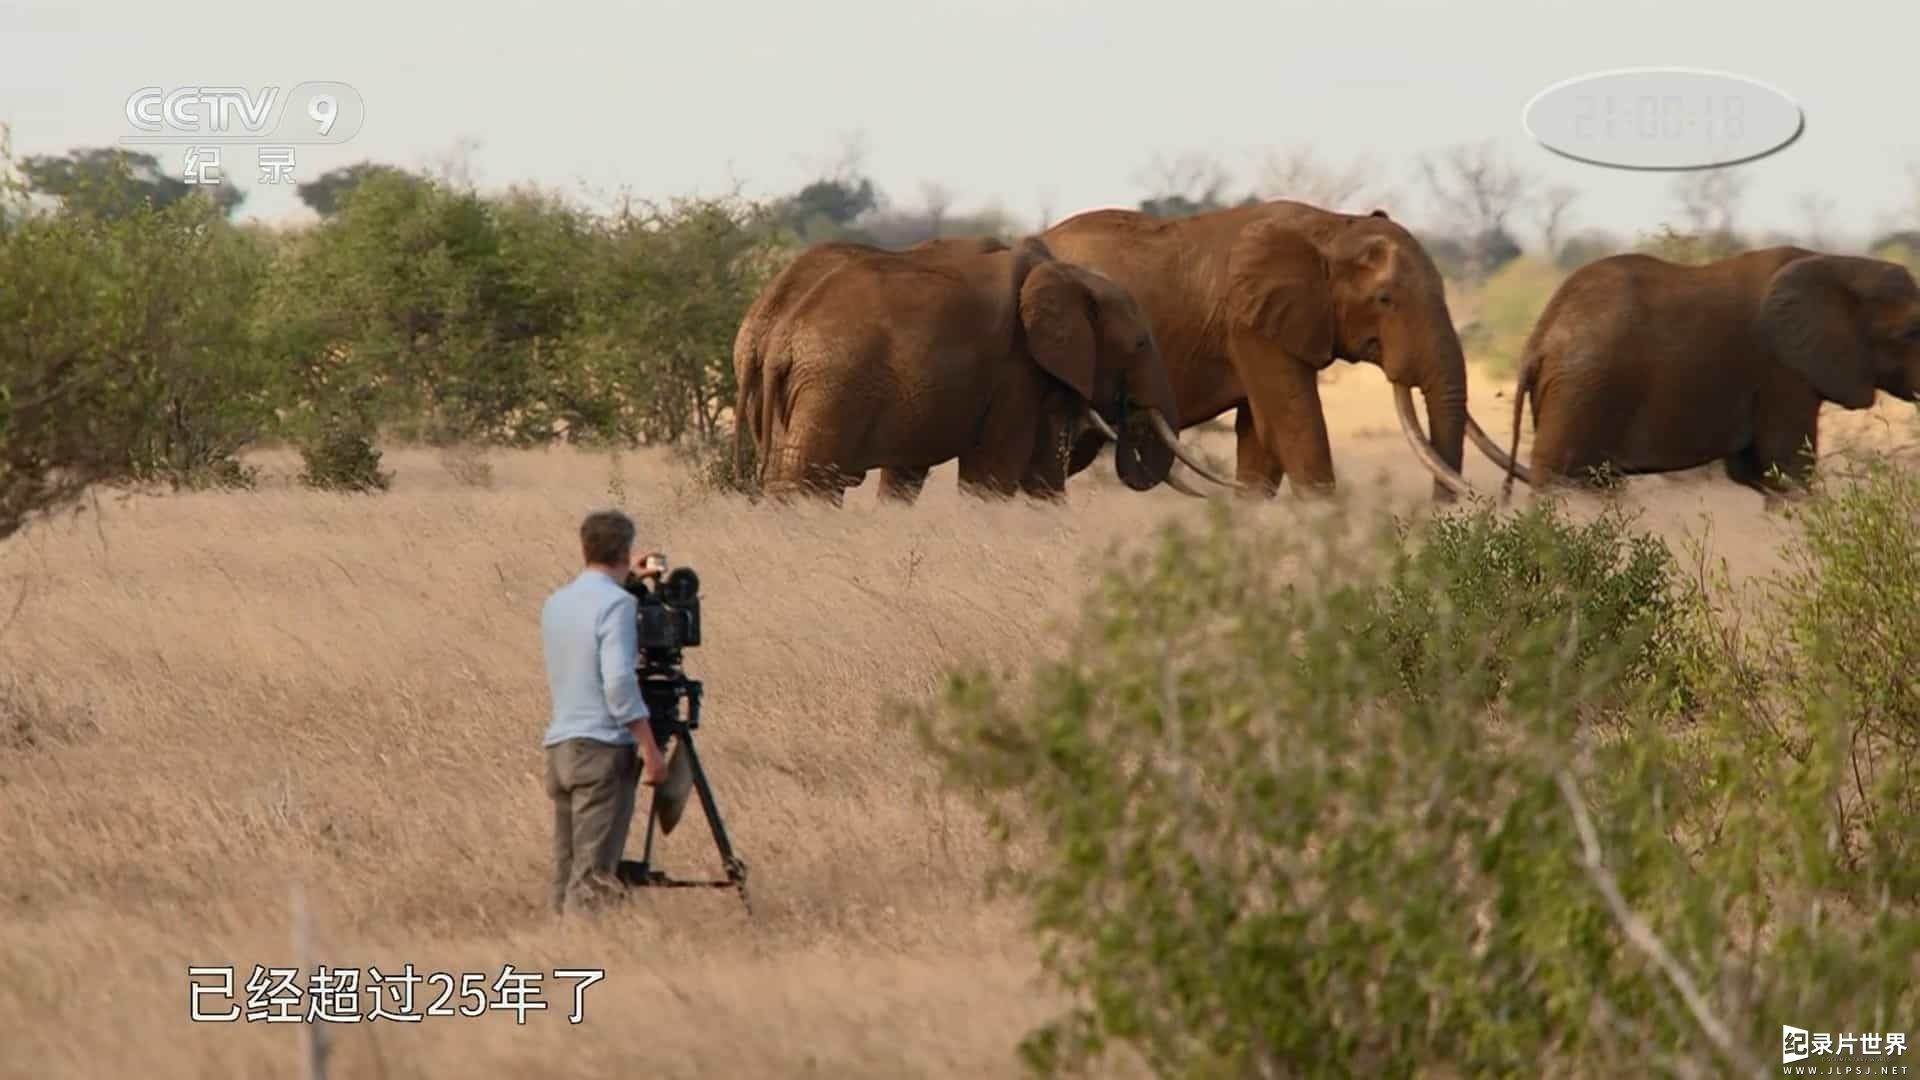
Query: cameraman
x=589, y=629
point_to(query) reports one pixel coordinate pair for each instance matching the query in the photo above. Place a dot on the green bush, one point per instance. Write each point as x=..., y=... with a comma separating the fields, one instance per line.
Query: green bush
x=717, y=465
x=509, y=320
x=1899, y=251
x=1691, y=249
x=1841, y=649
x=1468, y=583
x=1510, y=302
x=1294, y=806
x=341, y=456
x=158, y=341
x=671, y=286
x=434, y=298
x=129, y=354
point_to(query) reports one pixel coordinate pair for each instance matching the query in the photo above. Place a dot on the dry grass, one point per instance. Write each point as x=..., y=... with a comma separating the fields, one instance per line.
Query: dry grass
x=205, y=699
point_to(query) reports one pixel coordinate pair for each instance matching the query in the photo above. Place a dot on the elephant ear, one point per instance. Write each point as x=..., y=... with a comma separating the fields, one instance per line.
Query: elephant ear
x=1057, y=312
x=1280, y=288
x=1811, y=317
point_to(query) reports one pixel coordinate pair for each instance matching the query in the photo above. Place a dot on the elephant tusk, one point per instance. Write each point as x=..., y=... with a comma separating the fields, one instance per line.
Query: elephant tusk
x=1161, y=428
x=1422, y=449
x=1181, y=486
x=1102, y=426
x=1492, y=450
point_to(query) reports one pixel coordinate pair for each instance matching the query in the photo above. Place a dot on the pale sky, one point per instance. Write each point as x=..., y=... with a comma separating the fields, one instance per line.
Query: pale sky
x=1030, y=104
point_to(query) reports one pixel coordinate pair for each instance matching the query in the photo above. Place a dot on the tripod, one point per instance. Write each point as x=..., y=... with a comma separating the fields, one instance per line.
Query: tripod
x=663, y=690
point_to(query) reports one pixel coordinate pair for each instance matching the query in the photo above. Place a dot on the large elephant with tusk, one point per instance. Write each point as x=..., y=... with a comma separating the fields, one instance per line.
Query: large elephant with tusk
x=993, y=355
x=1250, y=303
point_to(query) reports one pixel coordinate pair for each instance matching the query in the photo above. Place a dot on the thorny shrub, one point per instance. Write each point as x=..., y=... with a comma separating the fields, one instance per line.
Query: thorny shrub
x=1294, y=806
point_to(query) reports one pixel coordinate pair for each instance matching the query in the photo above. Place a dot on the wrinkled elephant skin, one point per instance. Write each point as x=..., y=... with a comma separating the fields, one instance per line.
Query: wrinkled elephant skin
x=1637, y=365
x=1250, y=303
x=960, y=349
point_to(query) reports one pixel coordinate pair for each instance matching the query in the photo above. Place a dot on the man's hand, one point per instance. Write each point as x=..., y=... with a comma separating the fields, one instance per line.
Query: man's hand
x=645, y=567
x=653, y=763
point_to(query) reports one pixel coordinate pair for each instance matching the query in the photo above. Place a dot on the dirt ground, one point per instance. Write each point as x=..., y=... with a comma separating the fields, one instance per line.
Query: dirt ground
x=210, y=700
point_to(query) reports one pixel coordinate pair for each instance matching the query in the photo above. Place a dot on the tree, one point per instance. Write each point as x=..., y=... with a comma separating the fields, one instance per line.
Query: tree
x=829, y=206
x=1587, y=245
x=326, y=193
x=1815, y=210
x=110, y=182
x=838, y=202
x=674, y=283
x=1475, y=191
x=1186, y=184
x=936, y=198
x=1550, y=214
x=1908, y=216
x=1708, y=200
x=130, y=353
x=1295, y=173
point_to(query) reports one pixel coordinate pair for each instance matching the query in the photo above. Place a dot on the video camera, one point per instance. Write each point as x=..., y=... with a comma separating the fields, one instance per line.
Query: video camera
x=668, y=618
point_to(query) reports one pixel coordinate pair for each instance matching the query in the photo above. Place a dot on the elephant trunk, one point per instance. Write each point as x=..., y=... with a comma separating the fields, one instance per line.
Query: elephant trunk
x=1141, y=463
x=1443, y=383
x=1447, y=428
x=1140, y=457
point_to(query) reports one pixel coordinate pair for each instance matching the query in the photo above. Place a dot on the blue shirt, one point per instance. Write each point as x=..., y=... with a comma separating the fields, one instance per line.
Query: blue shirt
x=592, y=645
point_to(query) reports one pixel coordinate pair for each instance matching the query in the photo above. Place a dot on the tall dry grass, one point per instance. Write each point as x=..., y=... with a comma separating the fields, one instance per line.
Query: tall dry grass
x=208, y=698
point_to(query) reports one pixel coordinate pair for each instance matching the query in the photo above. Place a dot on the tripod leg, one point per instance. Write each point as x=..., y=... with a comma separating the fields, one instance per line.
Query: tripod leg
x=735, y=869
x=640, y=873
x=646, y=858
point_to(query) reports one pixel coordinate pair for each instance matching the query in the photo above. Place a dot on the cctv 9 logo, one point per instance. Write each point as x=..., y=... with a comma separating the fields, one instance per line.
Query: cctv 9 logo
x=312, y=113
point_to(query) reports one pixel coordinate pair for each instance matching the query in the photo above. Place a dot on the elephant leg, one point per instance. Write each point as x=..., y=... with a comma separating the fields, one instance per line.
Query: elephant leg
x=1046, y=475
x=1043, y=489
x=1566, y=441
x=990, y=476
x=1086, y=448
x=1257, y=469
x=1751, y=469
x=1743, y=467
x=1287, y=421
x=997, y=463
x=788, y=492
x=1786, y=437
x=902, y=485
x=986, y=482
x=808, y=465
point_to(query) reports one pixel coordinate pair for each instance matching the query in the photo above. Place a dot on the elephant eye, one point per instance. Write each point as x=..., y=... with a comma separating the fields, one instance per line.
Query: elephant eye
x=1140, y=342
x=1383, y=298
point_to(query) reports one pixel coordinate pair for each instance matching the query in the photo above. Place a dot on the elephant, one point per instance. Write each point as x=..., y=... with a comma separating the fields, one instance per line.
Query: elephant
x=1638, y=365
x=787, y=286
x=997, y=355
x=1251, y=302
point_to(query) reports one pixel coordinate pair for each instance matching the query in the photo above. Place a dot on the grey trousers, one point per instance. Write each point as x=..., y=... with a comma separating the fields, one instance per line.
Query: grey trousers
x=592, y=785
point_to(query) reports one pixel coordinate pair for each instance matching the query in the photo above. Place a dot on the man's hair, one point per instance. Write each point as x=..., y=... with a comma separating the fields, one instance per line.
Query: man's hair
x=606, y=537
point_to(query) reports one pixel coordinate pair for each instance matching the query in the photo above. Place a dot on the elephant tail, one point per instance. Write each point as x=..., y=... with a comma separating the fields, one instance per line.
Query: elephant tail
x=772, y=412
x=749, y=348
x=746, y=408
x=1522, y=398
x=743, y=407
